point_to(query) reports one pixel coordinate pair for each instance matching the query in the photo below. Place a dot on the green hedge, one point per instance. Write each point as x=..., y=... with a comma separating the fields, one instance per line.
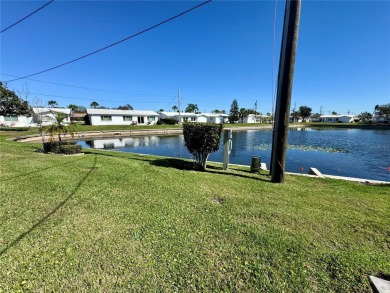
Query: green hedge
x=67, y=148
x=2, y=128
x=70, y=149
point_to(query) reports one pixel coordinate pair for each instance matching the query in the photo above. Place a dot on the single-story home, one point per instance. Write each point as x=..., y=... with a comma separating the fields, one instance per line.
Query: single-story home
x=121, y=117
x=193, y=117
x=337, y=118
x=15, y=120
x=46, y=115
x=252, y=118
x=381, y=119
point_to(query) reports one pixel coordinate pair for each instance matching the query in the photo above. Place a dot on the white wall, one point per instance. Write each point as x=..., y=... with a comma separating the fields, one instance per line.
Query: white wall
x=118, y=120
x=22, y=121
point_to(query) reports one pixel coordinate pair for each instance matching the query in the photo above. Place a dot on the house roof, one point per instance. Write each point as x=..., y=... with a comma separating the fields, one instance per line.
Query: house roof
x=120, y=112
x=44, y=111
x=336, y=116
x=184, y=114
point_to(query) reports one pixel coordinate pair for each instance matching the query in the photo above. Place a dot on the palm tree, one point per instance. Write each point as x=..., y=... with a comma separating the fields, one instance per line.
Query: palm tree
x=242, y=114
x=192, y=108
x=94, y=104
x=174, y=108
x=52, y=103
x=58, y=127
x=73, y=107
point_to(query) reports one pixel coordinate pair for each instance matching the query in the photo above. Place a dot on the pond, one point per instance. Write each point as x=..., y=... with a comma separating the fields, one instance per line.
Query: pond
x=357, y=153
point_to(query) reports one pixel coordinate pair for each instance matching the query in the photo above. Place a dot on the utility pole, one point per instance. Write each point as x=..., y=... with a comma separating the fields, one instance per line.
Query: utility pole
x=321, y=110
x=256, y=111
x=295, y=103
x=178, y=103
x=285, y=81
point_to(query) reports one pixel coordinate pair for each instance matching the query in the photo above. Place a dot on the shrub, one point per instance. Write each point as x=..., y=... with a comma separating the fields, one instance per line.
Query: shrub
x=201, y=139
x=70, y=149
x=61, y=148
x=170, y=121
x=7, y=128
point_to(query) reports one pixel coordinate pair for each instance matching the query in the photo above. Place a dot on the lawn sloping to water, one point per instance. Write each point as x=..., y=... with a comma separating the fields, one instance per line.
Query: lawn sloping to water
x=109, y=221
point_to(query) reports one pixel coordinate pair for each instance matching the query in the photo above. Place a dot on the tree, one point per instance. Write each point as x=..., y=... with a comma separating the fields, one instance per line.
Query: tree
x=365, y=116
x=126, y=107
x=192, y=108
x=381, y=110
x=52, y=104
x=94, y=104
x=216, y=111
x=304, y=111
x=73, y=107
x=161, y=110
x=201, y=139
x=174, y=108
x=11, y=104
x=242, y=114
x=234, y=112
x=295, y=115
x=334, y=113
x=58, y=127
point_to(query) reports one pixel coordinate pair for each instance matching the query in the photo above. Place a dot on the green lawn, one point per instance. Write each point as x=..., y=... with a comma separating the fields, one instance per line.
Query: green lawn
x=108, y=221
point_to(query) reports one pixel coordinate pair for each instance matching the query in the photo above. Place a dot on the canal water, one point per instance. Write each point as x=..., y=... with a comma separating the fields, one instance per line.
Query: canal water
x=357, y=153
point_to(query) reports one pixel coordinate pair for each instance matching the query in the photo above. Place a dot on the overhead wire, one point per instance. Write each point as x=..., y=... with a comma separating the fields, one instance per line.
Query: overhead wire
x=96, y=99
x=93, y=89
x=27, y=16
x=116, y=43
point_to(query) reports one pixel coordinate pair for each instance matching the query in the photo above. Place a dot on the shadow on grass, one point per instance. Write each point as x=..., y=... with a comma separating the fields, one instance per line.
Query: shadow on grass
x=52, y=212
x=189, y=166
x=42, y=170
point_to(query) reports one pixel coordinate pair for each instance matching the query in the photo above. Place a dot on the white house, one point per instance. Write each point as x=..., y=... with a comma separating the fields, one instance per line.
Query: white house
x=252, y=118
x=46, y=115
x=121, y=117
x=218, y=118
x=381, y=119
x=192, y=117
x=15, y=120
x=336, y=118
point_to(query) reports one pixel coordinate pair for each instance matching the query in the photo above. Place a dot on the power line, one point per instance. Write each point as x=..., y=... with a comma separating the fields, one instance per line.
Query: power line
x=96, y=99
x=26, y=16
x=87, y=88
x=116, y=43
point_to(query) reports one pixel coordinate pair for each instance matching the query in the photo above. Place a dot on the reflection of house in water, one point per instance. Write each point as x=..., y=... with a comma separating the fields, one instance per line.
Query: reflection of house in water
x=129, y=142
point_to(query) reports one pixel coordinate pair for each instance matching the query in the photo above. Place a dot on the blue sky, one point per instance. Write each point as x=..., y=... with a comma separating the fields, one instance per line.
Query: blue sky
x=214, y=54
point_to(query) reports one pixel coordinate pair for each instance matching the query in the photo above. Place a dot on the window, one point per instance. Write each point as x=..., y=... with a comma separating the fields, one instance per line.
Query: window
x=106, y=118
x=127, y=118
x=10, y=118
x=141, y=120
x=151, y=118
x=193, y=119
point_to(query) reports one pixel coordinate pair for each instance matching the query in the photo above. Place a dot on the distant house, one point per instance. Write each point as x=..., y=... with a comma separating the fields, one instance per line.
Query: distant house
x=218, y=118
x=121, y=117
x=381, y=118
x=46, y=115
x=15, y=120
x=336, y=118
x=193, y=117
x=252, y=118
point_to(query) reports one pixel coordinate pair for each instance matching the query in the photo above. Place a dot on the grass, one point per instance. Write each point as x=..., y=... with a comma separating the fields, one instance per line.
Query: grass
x=109, y=221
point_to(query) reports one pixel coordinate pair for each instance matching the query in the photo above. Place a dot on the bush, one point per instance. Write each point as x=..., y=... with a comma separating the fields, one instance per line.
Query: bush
x=7, y=128
x=170, y=121
x=201, y=139
x=70, y=149
x=61, y=148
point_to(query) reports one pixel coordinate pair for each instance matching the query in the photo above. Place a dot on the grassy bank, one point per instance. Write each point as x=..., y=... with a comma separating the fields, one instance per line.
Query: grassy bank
x=108, y=221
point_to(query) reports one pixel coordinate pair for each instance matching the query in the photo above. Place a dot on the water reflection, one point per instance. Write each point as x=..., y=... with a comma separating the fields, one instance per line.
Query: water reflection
x=346, y=152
